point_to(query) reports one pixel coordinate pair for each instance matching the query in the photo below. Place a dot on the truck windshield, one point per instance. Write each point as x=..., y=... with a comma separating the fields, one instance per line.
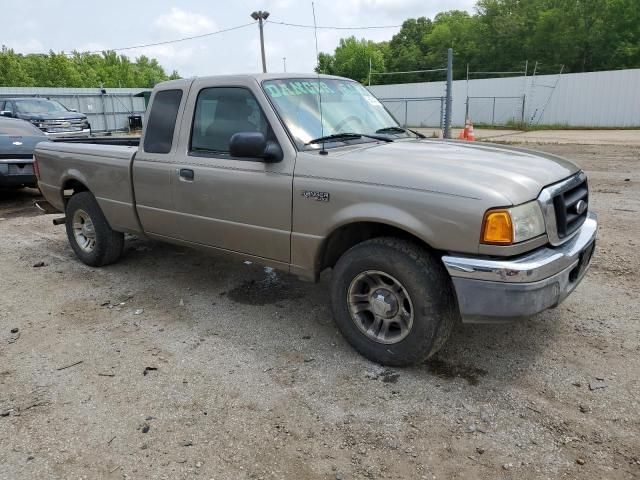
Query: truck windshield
x=34, y=105
x=347, y=107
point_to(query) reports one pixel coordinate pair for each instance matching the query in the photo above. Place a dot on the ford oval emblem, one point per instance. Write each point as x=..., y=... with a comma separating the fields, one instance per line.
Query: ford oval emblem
x=581, y=207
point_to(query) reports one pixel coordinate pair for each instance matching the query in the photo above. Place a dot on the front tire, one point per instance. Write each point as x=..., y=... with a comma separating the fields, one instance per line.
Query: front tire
x=89, y=233
x=393, y=301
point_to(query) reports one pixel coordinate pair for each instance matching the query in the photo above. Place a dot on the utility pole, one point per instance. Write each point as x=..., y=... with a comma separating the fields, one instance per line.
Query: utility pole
x=284, y=64
x=466, y=110
x=260, y=16
x=449, y=94
x=524, y=93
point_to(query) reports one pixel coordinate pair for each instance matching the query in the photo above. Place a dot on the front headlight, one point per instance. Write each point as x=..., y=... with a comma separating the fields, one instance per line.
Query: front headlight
x=505, y=226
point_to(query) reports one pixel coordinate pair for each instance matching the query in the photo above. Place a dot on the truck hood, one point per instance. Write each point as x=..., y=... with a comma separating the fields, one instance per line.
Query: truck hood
x=505, y=175
x=52, y=116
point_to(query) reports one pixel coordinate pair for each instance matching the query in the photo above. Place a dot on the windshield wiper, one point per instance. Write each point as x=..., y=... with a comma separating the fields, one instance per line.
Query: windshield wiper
x=347, y=136
x=395, y=129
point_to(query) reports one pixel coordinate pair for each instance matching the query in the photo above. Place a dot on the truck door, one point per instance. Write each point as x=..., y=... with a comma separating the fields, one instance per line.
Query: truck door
x=152, y=167
x=237, y=204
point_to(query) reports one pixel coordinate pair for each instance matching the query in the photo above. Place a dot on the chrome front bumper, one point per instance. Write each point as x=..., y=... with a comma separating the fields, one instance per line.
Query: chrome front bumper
x=494, y=290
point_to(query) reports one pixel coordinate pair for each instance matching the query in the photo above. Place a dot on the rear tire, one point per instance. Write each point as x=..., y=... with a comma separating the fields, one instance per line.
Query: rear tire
x=393, y=301
x=89, y=233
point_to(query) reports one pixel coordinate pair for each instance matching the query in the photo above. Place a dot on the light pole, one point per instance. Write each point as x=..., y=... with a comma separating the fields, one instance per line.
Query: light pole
x=284, y=64
x=260, y=16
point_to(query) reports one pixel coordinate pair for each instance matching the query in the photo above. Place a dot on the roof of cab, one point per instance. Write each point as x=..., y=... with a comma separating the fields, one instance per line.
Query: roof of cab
x=259, y=77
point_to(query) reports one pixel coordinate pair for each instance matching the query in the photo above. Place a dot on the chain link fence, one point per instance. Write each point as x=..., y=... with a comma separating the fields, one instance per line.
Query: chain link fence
x=417, y=111
x=496, y=111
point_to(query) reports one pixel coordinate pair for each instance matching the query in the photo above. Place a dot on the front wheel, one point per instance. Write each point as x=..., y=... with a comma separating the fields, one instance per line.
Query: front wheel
x=89, y=233
x=393, y=301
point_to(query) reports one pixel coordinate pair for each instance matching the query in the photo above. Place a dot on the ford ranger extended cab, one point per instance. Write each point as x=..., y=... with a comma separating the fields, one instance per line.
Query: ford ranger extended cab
x=305, y=173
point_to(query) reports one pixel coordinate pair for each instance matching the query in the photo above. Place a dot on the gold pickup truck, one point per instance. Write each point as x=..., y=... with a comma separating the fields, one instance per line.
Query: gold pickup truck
x=305, y=173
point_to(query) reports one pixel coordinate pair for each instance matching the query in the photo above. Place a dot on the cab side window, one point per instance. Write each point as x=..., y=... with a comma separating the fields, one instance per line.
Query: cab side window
x=220, y=113
x=162, y=121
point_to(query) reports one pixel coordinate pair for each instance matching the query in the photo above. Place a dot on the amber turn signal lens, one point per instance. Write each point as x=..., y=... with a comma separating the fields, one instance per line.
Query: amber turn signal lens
x=497, y=227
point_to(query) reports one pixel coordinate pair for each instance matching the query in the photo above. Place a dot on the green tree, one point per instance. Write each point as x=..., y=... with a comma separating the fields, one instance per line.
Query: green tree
x=79, y=70
x=351, y=59
x=12, y=69
x=407, y=50
x=623, y=33
x=506, y=25
x=583, y=35
x=461, y=32
x=325, y=64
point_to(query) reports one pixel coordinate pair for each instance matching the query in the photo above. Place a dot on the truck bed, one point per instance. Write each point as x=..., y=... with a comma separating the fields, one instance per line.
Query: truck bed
x=105, y=140
x=105, y=170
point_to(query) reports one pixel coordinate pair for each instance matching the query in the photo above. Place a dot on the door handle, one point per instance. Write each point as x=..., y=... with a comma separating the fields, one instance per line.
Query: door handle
x=186, y=174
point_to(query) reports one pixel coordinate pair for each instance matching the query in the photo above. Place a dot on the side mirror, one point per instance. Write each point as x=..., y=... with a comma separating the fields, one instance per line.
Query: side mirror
x=73, y=110
x=254, y=145
x=6, y=113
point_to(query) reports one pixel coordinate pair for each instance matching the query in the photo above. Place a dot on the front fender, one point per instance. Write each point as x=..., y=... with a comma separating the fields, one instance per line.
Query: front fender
x=390, y=215
x=442, y=221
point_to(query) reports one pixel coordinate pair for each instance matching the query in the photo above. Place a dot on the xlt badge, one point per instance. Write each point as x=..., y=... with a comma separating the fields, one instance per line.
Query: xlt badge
x=317, y=196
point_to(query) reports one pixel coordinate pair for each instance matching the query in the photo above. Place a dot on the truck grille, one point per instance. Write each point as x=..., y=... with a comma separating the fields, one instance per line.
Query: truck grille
x=571, y=207
x=72, y=125
x=564, y=207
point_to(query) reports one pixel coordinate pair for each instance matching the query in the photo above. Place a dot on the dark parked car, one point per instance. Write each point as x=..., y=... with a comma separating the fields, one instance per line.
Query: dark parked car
x=18, y=138
x=50, y=116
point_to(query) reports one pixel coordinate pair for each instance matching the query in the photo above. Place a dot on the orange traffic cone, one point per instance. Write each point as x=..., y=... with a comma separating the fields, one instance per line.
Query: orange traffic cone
x=470, y=136
x=465, y=131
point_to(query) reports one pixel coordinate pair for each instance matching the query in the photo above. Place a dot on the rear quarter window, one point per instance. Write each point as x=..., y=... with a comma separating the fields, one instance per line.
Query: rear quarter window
x=11, y=127
x=158, y=137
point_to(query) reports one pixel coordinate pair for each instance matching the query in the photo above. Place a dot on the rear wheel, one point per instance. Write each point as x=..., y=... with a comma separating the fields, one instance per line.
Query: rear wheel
x=393, y=301
x=89, y=233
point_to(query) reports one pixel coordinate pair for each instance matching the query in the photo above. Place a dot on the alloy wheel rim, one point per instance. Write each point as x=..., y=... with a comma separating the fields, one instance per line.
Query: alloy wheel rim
x=84, y=231
x=380, y=307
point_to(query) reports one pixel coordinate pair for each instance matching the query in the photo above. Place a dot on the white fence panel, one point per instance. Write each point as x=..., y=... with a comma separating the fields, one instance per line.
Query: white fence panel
x=593, y=99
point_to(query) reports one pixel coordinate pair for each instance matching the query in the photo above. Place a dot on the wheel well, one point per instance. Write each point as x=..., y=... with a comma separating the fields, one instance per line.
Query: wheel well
x=71, y=187
x=345, y=237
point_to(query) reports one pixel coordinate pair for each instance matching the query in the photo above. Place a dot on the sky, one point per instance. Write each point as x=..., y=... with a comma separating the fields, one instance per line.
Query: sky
x=37, y=26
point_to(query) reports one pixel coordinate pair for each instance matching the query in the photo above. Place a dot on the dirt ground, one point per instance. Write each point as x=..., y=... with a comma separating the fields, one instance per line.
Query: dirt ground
x=172, y=364
x=628, y=138
x=563, y=137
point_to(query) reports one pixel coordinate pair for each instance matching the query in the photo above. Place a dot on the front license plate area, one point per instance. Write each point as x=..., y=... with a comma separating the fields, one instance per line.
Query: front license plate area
x=583, y=262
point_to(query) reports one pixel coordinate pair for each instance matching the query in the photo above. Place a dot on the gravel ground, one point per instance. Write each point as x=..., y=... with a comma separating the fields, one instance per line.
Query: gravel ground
x=625, y=138
x=172, y=364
